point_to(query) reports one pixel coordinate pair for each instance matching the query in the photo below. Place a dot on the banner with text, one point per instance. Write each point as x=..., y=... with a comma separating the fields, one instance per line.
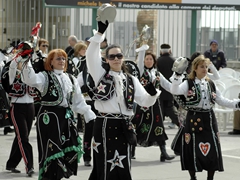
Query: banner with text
x=231, y=5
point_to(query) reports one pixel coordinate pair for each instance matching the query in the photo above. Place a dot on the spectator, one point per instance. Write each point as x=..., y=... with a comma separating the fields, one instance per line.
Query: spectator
x=164, y=65
x=216, y=55
x=72, y=40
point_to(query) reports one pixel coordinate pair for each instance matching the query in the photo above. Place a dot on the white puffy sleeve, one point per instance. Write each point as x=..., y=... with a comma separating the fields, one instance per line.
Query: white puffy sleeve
x=79, y=104
x=165, y=83
x=33, y=79
x=140, y=59
x=94, y=59
x=222, y=101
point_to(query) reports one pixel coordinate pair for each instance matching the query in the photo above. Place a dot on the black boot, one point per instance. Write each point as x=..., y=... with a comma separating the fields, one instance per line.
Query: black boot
x=133, y=148
x=164, y=155
x=210, y=178
x=7, y=130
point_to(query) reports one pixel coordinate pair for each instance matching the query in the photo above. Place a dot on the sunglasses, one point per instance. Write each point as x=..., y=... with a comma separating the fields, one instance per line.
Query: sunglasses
x=61, y=58
x=44, y=45
x=112, y=56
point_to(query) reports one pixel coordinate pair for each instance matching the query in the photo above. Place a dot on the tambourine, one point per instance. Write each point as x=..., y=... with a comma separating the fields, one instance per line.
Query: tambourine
x=132, y=68
x=106, y=12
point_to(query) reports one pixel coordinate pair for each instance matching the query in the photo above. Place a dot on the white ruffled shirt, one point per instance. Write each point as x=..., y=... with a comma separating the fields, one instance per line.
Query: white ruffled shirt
x=181, y=88
x=78, y=102
x=94, y=61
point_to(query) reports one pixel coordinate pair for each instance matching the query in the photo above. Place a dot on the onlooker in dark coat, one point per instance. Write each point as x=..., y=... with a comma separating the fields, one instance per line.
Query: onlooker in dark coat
x=72, y=40
x=216, y=55
x=164, y=65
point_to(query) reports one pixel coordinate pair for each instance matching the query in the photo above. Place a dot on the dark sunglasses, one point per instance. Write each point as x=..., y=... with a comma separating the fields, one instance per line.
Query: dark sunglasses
x=112, y=56
x=44, y=45
x=61, y=58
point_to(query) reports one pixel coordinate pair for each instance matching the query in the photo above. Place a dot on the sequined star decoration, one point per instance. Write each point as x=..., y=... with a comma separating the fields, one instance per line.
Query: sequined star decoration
x=17, y=86
x=95, y=145
x=101, y=87
x=116, y=161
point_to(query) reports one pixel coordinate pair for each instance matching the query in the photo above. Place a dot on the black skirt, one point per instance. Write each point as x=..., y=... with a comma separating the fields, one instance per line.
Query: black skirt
x=201, y=148
x=111, y=152
x=149, y=125
x=59, y=145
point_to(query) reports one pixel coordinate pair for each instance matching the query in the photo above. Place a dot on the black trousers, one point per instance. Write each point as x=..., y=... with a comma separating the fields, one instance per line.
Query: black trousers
x=22, y=118
x=168, y=109
x=88, y=134
x=87, y=138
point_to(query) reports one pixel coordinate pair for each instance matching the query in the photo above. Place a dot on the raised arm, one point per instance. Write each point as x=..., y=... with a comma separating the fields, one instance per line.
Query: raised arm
x=140, y=59
x=94, y=59
x=32, y=79
x=214, y=75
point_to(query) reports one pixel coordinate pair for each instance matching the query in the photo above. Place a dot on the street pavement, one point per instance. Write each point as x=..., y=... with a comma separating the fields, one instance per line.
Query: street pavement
x=146, y=166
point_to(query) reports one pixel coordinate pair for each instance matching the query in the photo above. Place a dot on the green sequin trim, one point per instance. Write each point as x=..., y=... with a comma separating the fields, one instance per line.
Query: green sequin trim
x=46, y=119
x=68, y=114
x=77, y=149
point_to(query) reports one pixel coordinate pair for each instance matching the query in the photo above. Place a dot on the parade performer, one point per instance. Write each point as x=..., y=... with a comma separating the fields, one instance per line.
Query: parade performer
x=59, y=145
x=22, y=110
x=200, y=138
x=149, y=120
x=114, y=95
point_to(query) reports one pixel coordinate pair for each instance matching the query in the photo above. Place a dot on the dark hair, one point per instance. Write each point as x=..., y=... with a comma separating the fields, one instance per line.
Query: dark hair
x=165, y=46
x=124, y=67
x=153, y=56
x=193, y=56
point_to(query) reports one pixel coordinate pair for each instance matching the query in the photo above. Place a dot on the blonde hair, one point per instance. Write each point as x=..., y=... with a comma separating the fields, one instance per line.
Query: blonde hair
x=197, y=61
x=79, y=46
x=52, y=53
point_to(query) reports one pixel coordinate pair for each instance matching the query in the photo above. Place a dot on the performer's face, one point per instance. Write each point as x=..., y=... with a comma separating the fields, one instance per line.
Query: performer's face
x=58, y=62
x=82, y=52
x=148, y=61
x=115, y=59
x=201, y=70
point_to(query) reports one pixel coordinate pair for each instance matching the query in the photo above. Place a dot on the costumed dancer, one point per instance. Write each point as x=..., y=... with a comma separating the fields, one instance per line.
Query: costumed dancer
x=115, y=93
x=184, y=67
x=149, y=120
x=86, y=83
x=201, y=148
x=79, y=59
x=5, y=119
x=59, y=145
x=76, y=65
x=83, y=80
x=22, y=111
